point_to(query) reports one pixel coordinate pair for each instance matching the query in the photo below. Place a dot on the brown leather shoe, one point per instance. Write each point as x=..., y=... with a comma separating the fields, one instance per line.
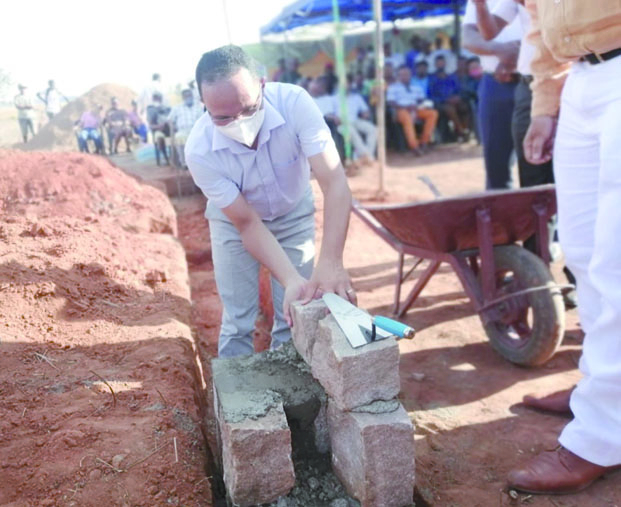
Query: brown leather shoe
x=557, y=472
x=557, y=403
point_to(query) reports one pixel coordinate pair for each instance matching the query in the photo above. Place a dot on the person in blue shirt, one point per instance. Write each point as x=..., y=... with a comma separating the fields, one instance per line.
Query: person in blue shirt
x=421, y=77
x=444, y=90
x=412, y=54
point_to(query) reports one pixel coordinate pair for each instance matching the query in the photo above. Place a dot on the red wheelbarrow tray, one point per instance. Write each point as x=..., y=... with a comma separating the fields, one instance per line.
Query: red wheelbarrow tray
x=449, y=224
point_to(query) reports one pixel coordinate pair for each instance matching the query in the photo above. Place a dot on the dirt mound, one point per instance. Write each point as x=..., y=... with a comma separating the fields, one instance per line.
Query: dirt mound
x=57, y=135
x=98, y=380
x=89, y=186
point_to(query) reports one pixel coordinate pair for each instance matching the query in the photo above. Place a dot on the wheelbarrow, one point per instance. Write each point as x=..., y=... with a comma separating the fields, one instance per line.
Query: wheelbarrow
x=512, y=289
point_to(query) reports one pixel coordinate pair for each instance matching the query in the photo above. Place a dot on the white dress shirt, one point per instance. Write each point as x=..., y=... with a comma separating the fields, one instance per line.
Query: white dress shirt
x=511, y=32
x=274, y=177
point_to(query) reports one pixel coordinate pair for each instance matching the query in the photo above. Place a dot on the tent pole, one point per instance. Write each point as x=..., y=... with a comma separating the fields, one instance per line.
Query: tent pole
x=339, y=56
x=456, y=28
x=381, y=104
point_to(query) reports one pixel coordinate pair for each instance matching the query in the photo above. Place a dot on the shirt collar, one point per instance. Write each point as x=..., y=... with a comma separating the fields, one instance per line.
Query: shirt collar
x=273, y=119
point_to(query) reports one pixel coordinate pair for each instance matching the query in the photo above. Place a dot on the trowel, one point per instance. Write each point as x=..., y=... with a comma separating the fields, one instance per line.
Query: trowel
x=360, y=327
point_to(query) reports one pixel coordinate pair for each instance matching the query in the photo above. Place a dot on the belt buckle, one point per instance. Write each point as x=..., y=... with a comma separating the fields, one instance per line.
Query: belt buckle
x=599, y=57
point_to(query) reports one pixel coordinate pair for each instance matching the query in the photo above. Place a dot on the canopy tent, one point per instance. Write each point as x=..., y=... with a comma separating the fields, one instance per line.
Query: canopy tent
x=312, y=12
x=307, y=12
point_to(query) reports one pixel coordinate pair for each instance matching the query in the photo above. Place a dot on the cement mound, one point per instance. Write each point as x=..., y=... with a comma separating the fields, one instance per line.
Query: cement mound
x=57, y=135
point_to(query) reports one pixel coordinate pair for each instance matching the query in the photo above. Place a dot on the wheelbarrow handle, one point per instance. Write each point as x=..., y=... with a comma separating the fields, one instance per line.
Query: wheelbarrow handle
x=392, y=326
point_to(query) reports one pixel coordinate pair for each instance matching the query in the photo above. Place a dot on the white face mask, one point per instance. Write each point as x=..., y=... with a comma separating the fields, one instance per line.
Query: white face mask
x=244, y=130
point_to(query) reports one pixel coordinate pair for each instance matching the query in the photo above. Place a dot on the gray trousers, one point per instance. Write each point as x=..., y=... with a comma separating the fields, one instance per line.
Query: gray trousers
x=237, y=273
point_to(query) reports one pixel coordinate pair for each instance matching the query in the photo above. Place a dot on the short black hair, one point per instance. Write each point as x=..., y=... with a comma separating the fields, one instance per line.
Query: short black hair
x=155, y=77
x=440, y=57
x=422, y=62
x=222, y=63
x=401, y=67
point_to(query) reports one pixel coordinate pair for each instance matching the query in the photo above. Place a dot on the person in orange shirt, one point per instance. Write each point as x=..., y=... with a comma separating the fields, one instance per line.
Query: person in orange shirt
x=586, y=142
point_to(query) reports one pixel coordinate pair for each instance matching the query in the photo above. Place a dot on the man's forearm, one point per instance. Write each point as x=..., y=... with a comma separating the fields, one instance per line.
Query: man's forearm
x=336, y=210
x=486, y=22
x=474, y=41
x=263, y=246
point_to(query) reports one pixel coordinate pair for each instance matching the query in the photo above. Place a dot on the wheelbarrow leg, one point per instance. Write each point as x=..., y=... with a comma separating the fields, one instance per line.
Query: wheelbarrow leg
x=542, y=235
x=399, y=281
x=420, y=285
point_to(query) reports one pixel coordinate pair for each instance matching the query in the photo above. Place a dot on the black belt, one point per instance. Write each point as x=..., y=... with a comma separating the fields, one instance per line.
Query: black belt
x=594, y=58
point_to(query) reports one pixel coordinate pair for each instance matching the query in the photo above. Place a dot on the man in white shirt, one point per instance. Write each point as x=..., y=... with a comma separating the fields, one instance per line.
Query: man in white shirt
x=359, y=125
x=328, y=106
x=251, y=155
x=52, y=99
x=182, y=119
x=25, y=112
x=408, y=102
x=496, y=92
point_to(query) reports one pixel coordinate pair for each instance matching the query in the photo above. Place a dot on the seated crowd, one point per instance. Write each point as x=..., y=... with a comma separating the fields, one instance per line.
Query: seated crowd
x=431, y=97
x=168, y=126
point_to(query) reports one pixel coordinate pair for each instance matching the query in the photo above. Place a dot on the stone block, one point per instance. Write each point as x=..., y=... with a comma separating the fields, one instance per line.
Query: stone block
x=256, y=457
x=354, y=377
x=373, y=454
x=305, y=321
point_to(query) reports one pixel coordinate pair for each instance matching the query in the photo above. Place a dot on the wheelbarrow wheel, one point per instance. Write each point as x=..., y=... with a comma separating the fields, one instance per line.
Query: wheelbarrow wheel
x=526, y=329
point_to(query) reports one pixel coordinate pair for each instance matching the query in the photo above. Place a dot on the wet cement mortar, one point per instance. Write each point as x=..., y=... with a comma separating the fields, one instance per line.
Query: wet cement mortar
x=249, y=387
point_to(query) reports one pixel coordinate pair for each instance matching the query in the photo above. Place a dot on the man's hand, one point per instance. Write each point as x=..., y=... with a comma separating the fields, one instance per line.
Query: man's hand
x=539, y=140
x=298, y=289
x=332, y=278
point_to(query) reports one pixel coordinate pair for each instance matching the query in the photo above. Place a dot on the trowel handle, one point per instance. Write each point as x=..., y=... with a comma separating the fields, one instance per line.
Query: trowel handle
x=392, y=326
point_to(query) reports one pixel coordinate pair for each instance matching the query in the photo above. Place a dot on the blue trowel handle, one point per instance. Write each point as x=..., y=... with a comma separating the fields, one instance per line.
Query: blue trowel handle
x=394, y=327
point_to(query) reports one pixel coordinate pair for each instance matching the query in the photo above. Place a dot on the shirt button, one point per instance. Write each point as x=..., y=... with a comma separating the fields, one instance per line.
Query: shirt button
x=557, y=1
x=567, y=38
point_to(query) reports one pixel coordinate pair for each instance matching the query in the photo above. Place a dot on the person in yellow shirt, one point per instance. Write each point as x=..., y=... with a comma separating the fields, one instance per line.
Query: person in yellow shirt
x=577, y=70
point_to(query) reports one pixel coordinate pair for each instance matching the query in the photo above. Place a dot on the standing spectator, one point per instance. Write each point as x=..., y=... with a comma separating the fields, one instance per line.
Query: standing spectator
x=389, y=74
x=280, y=71
x=359, y=63
x=157, y=119
x=25, y=112
x=292, y=74
x=577, y=70
x=146, y=96
x=117, y=123
x=89, y=127
x=52, y=99
x=496, y=93
x=406, y=99
x=445, y=92
x=136, y=123
x=330, y=78
x=182, y=118
x=421, y=76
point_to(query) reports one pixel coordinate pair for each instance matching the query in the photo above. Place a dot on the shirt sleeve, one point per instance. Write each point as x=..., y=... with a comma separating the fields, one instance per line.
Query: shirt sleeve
x=216, y=186
x=309, y=125
x=470, y=16
x=507, y=10
x=549, y=74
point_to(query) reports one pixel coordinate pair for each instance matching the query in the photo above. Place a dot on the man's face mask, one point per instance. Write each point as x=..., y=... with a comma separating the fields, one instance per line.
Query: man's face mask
x=245, y=129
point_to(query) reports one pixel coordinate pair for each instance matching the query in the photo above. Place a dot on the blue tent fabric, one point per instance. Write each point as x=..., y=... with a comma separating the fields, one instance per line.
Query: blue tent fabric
x=312, y=12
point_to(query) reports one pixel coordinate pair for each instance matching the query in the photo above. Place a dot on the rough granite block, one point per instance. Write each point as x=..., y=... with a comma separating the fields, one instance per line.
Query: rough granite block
x=373, y=454
x=305, y=321
x=354, y=377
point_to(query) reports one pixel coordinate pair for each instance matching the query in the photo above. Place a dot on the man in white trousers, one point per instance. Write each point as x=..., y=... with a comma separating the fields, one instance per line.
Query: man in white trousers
x=577, y=69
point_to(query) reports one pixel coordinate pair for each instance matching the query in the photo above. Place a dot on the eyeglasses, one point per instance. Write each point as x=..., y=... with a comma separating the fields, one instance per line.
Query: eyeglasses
x=244, y=113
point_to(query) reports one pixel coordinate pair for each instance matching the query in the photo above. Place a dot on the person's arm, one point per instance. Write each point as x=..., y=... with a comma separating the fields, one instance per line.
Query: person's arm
x=488, y=23
x=473, y=41
x=263, y=246
x=549, y=78
x=329, y=274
